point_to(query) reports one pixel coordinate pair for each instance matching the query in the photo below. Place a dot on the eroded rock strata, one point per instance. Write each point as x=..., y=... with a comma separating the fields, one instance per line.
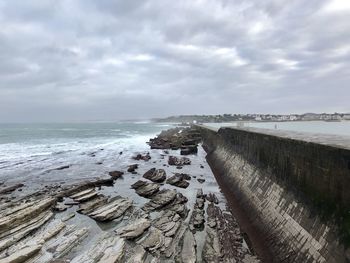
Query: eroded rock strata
x=147, y=221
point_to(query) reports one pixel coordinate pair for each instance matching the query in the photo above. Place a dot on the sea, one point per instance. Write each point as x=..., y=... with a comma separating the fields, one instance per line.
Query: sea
x=36, y=153
x=32, y=153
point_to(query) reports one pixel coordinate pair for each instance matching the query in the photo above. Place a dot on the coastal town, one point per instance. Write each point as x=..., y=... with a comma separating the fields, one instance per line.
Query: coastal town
x=256, y=117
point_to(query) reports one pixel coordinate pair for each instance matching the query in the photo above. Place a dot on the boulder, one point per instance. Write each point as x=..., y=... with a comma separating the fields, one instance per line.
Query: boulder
x=145, y=157
x=132, y=168
x=116, y=174
x=189, y=149
x=155, y=175
x=159, y=200
x=178, y=161
x=145, y=189
x=178, y=180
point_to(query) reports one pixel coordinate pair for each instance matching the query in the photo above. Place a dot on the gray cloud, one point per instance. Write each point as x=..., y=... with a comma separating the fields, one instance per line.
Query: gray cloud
x=108, y=60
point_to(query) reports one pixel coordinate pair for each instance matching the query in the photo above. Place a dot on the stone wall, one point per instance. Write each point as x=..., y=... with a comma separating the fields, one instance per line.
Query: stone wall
x=284, y=185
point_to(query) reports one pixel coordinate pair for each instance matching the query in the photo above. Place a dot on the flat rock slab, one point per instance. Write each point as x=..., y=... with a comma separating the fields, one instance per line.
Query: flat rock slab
x=111, y=210
x=134, y=229
x=161, y=199
x=22, y=255
x=178, y=161
x=188, y=252
x=179, y=180
x=155, y=175
x=145, y=189
x=109, y=248
x=155, y=240
x=9, y=189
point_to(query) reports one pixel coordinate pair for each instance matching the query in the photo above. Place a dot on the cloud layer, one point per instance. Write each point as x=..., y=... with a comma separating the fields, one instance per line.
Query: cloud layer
x=107, y=60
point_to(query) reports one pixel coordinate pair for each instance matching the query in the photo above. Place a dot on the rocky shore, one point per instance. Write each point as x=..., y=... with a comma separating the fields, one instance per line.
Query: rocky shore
x=147, y=212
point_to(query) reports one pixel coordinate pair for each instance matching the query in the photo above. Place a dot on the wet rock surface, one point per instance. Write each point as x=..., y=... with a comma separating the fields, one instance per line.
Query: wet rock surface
x=145, y=189
x=126, y=220
x=155, y=175
x=116, y=174
x=145, y=157
x=186, y=139
x=179, y=180
x=178, y=161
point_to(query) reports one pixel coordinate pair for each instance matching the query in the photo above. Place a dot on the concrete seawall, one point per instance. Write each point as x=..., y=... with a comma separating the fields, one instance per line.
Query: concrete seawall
x=293, y=188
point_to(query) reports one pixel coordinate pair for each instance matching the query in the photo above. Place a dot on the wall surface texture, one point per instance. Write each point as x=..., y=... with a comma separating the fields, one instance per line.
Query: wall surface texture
x=284, y=186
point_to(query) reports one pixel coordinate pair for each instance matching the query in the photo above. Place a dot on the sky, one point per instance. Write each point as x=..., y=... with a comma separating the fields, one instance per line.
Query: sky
x=87, y=60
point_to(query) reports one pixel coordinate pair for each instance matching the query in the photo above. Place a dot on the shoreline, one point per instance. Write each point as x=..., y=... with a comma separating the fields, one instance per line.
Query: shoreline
x=186, y=198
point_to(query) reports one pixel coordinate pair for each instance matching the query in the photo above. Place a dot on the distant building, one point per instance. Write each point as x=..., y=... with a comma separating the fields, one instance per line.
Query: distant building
x=346, y=116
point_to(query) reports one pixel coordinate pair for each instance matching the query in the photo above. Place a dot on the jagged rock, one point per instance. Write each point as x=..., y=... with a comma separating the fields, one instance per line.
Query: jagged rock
x=224, y=239
x=23, y=213
x=188, y=252
x=68, y=241
x=159, y=200
x=146, y=157
x=112, y=210
x=138, y=255
x=211, y=249
x=132, y=168
x=200, y=180
x=135, y=229
x=9, y=189
x=114, y=253
x=189, y=149
x=200, y=193
x=200, y=202
x=155, y=175
x=145, y=189
x=22, y=255
x=174, y=139
x=84, y=195
x=153, y=241
x=178, y=180
x=22, y=228
x=168, y=222
x=71, y=190
x=212, y=198
x=197, y=218
x=116, y=174
x=101, y=250
x=178, y=205
x=51, y=231
x=178, y=161
x=89, y=206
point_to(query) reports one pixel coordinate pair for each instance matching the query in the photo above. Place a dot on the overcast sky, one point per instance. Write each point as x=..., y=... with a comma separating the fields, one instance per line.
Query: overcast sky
x=107, y=60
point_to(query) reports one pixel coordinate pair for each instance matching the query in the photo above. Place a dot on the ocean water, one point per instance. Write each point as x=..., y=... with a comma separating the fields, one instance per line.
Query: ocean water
x=32, y=152
x=336, y=128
